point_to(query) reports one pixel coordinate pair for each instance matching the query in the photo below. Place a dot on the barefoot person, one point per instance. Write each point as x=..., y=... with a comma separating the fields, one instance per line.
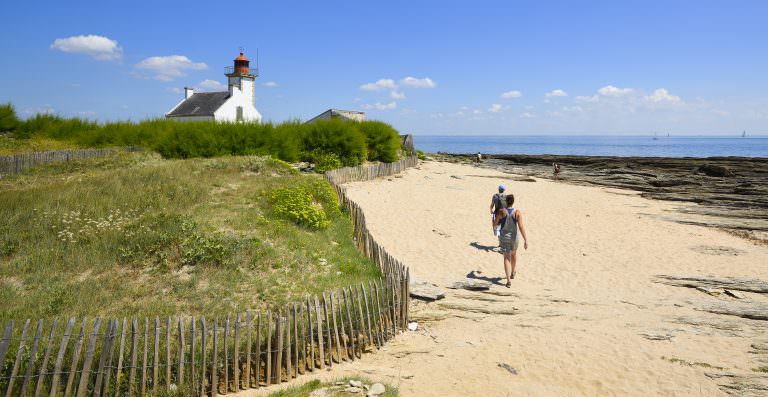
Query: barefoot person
x=510, y=219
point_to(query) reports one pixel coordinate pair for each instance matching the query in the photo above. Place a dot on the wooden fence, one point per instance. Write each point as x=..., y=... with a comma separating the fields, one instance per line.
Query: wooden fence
x=16, y=163
x=211, y=356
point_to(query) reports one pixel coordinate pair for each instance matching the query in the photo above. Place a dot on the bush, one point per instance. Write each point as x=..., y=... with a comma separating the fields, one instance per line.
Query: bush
x=325, y=141
x=383, y=141
x=325, y=161
x=8, y=120
x=312, y=204
x=421, y=155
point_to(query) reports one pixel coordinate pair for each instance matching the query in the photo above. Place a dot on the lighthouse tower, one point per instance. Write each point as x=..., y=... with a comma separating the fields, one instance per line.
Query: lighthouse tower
x=240, y=78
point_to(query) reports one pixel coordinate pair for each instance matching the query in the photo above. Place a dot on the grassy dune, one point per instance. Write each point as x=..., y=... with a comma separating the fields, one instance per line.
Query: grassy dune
x=134, y=234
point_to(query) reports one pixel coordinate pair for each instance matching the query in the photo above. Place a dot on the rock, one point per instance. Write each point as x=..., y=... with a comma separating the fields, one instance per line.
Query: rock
x=671, y=182
x=752, y=310
x=760, y=347
x=354, y=390
x=714, y=170
x=413, y=326
x=355, y=383
x=471, y=284
x=732, y=283
x=456, y=177
x=479, y=307
x=508, y=367
x=654, y=336
x=735, y=294
x=376, y=389
x=710, y=291
x=424, y=290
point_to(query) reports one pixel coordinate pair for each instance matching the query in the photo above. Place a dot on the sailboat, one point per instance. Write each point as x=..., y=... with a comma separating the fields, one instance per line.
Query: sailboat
x=744, y=134
x=655, y=137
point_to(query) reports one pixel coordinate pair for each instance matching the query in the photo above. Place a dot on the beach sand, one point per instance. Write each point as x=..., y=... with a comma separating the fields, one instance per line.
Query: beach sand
x=585, y=311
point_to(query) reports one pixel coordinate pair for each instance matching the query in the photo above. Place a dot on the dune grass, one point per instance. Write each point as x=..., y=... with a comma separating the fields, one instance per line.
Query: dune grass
x=10, y=145
x=332, y=389
x=136, y=235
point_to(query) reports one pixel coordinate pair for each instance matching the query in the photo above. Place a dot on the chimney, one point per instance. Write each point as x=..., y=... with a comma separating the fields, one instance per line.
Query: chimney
x=188, y=92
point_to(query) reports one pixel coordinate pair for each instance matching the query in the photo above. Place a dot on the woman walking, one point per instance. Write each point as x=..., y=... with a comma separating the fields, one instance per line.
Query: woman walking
x=510, y=219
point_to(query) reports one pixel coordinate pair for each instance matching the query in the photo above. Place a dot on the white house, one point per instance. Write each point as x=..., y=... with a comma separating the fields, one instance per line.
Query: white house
x=237, y=104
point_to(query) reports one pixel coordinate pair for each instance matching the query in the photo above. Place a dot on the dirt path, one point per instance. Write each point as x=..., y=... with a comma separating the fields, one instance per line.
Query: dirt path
x=583, y=318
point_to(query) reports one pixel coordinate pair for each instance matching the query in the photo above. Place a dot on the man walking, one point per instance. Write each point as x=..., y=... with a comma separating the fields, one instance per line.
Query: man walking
x=498, y=201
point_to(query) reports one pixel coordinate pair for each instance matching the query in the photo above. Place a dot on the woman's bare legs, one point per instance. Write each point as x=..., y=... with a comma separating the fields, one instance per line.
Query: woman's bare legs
x=508, y=267
x=512, y=264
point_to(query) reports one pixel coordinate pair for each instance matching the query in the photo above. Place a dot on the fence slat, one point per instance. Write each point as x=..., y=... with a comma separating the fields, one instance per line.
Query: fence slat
x=32, y=358
x=279, y=356
x=311, y=365
x=288, y=369
x=144, y=357
x=215, y=360
x=17, y=362
x=85, y=374
x=371, y=340
x=102, y=359
x=119, y=370
x=236, y=357
x=75, y=359
x=268, y=373
x=344, y=335
x=134, y=355
x=5, y=342
x=168, y=353
x=226, y=355
x=156, y=356
x=296, y=320
x=44, y=365
x=258, y=350
x=108, y=369
x=350, y=323
x=180, y=369
x=329, y=343
x=203, y=355
x=303, y=357
x=192, y=372
x=248, y=325
x=319, y=319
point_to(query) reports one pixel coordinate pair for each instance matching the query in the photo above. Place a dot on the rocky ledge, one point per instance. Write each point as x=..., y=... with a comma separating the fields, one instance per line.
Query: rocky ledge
x=731, y=192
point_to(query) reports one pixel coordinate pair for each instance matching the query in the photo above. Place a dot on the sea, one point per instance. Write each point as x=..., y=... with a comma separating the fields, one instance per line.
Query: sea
x=595, y=145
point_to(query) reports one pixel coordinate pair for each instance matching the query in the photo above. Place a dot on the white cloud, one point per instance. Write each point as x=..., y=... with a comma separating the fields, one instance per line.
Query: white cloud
x=212, y=85
x=527, y=115
x=662, y=96
x=97, y=47
x=495, y=108
x=593, y=98
x=167, y=68
x=270, y=84
x=612, y=91
x=556, y=93
x=418, y=83
x=512, y=94
x=476, y=111
x=574, y=109
x=381, y=106
x=175, y=90
x=397, y=95
x=381, y=84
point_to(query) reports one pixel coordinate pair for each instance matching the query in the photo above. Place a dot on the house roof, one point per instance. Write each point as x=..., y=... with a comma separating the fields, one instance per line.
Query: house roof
x=200, y=104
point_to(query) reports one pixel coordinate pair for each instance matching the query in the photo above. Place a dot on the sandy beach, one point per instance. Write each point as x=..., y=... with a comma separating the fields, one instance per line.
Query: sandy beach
x=584, y=316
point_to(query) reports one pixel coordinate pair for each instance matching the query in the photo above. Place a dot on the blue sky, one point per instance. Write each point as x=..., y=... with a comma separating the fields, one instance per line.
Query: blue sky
x=427, y=67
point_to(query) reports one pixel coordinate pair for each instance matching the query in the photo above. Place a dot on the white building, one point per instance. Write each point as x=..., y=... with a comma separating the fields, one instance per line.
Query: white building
x=237, y=104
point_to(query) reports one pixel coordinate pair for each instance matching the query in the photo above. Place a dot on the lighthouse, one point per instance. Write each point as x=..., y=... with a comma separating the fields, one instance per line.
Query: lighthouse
x=236, y=105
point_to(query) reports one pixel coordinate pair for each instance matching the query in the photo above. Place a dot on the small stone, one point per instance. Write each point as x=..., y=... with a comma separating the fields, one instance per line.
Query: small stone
x=340, y=383
x=583, y=254
x=735, y=294
x=355, y=383
x=354, y=390
x=376, y=389
x=426, y=291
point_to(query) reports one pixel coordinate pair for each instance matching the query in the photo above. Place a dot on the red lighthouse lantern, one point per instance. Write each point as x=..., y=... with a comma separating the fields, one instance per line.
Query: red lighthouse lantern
x=242, y=64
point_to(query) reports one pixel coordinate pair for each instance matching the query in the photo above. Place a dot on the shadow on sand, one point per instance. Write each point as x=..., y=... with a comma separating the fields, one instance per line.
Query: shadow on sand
x=473, y=275
x=486, y=248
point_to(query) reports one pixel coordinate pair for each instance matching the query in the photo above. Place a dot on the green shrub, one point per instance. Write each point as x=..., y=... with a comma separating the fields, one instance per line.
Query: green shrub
x=8, y=119
x=336, y=136
x=312, y=204
x=383, y=141
x=325, y=161
x=421, y=155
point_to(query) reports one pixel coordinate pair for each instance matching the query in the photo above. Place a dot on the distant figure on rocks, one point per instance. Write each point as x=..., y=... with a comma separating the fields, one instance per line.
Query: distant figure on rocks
x=478, y=158
x=498, y=201
x=510, y=220
x=556, y=170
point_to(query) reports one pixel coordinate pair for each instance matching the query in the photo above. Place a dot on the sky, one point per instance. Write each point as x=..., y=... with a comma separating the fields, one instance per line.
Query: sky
x=426, y=67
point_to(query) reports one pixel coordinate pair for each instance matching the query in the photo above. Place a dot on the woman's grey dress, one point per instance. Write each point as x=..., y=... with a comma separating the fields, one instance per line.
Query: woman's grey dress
x=508, y=236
